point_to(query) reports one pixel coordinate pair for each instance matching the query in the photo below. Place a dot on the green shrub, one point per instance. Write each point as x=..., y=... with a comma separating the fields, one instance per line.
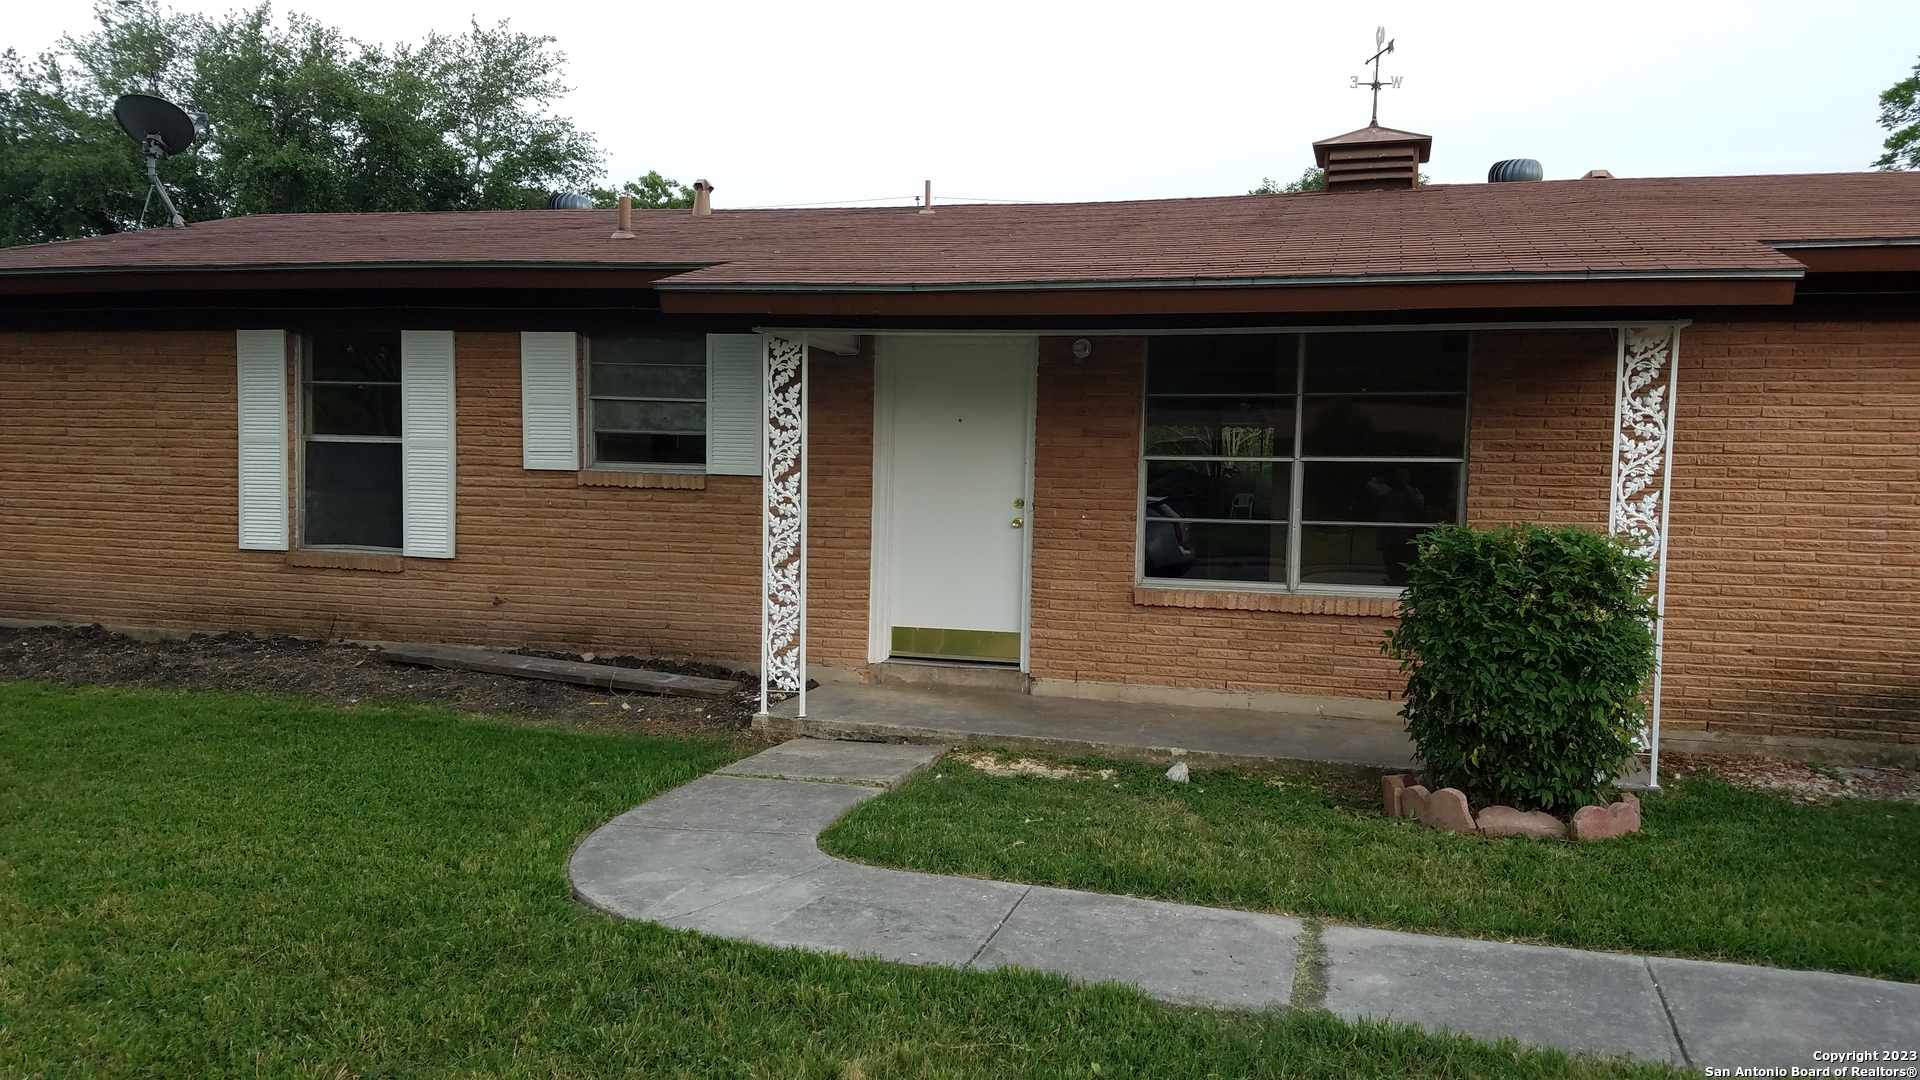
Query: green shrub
x=1526, y=650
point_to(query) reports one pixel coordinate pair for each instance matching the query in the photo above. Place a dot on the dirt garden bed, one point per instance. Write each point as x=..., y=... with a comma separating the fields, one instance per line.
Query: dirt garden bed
x=347, y=674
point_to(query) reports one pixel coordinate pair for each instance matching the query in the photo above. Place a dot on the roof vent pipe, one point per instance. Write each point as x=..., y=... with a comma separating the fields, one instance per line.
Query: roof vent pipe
x=926, y=205
x=569, y=200
x=702, y=198
x=1515, y=170
x=624, y=230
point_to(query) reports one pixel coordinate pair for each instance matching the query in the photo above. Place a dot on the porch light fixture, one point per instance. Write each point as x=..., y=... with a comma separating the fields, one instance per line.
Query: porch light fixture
x=1082, y=348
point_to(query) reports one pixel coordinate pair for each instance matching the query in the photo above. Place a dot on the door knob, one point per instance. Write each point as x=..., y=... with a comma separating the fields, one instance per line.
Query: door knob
x=1019, y=522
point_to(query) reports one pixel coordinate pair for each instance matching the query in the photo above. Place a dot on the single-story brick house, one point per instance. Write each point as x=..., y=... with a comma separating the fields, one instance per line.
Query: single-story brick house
x=1159, y=448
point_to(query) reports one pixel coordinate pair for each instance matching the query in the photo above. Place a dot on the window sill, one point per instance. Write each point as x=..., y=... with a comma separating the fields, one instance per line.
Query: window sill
x=614, y=478
x=347, y=560
x=1384, y=607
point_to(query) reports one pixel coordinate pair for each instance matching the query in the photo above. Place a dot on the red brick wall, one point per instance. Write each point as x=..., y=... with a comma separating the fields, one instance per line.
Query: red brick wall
x=1793, y=583
x=117, y=505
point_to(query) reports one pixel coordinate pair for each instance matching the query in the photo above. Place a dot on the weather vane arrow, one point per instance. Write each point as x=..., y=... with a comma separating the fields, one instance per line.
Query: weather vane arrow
x=1375, y=83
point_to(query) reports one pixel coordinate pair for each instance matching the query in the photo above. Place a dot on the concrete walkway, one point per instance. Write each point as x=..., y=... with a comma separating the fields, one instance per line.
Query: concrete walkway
x=1075, y=727
x=733, y=854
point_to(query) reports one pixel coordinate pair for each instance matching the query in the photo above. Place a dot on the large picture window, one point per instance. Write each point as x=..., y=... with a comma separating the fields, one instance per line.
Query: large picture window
x=647, y=400
x=350, y=441
x=1300, y=459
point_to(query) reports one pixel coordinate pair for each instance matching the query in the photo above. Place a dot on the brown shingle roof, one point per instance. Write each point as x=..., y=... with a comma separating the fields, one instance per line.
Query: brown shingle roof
x=1711, y=226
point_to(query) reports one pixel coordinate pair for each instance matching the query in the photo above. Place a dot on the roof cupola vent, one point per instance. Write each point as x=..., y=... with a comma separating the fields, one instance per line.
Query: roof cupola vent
x=1373, y=158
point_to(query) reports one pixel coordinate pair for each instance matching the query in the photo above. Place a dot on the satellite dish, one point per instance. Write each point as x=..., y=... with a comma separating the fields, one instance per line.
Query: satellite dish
x=162, y=129
x=145, y=117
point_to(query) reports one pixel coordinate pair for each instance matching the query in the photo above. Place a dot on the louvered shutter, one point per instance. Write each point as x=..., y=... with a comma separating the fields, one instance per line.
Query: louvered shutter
x=426, y=442
x=262, y=362
x=549, y=402
x=734, y=378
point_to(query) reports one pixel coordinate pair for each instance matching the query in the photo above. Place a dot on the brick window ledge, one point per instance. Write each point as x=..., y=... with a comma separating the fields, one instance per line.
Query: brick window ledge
x=347, y=560
x=621, y=478
x=1300, y=603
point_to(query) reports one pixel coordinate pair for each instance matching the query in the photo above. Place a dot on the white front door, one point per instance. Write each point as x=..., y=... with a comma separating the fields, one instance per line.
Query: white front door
x=951, y=473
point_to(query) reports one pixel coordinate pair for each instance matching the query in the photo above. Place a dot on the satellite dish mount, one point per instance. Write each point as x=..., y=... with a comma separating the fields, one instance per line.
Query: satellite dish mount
x=162, y=129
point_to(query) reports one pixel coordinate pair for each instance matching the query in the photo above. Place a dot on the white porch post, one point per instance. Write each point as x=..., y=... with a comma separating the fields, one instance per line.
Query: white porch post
x=783, y=535
x=1646, y=373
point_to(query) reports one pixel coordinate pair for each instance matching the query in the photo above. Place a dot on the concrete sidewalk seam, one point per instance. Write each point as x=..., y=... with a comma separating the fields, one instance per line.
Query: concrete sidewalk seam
x=1686, y=1056
x=878, y=786
x=743, y=895
x=999, y=926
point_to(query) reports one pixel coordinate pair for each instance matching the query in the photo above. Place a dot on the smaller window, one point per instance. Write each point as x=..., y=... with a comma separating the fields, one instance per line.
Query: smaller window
x=647, y=400
x=350, y=441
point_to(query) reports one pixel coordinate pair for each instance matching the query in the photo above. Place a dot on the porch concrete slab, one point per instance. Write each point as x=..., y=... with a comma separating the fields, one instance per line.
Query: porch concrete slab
x=661, y=874
x=885, y=765
x=858, y=910
x=1174, y=952
x=1078, y=727
x=1575, y=1000
x=1730, y=1015
x=739, y=804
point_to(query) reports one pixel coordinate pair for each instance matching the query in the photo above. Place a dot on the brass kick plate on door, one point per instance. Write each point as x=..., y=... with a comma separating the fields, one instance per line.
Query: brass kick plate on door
x=934, y=643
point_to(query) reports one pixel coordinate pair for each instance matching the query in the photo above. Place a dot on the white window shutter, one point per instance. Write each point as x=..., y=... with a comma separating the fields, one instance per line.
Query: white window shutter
x=262, y=356
x=549, y=401
x=735, y=442
x=426, y=442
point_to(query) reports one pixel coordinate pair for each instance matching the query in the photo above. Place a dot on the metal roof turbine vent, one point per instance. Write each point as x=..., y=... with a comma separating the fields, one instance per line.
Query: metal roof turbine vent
x=569, y=200
x=1515, y=170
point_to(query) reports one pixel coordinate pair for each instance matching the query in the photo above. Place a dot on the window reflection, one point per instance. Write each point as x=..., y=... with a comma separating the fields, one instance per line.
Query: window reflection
x=1372, y=426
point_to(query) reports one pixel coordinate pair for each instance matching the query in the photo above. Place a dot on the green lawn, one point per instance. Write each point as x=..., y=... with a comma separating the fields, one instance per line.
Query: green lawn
x=1718, y=872
x=215, y=885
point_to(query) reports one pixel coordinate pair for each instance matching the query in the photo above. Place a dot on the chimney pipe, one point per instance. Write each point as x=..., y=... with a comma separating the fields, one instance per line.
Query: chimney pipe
x=926, y=204
x=625, y=229
x=702, y=198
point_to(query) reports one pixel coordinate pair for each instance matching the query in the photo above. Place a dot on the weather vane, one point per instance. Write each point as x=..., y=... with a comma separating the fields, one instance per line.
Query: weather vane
x=1379, y=35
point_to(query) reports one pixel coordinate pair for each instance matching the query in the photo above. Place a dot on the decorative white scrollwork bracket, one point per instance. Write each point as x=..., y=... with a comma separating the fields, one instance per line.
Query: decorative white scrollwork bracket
x=1637, y=510
x=783, y=538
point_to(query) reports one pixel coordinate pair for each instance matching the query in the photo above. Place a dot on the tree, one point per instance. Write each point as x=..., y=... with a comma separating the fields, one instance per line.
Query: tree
x=1313, y=179
x=301, y=118
x=1900, y=115
x=650, y=192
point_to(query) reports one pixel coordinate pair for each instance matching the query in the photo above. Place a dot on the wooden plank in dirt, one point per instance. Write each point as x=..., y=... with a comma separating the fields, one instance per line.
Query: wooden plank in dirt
x=603, y=676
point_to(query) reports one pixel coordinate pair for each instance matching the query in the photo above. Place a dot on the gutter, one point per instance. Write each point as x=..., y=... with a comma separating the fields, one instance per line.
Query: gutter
x=1504, y=278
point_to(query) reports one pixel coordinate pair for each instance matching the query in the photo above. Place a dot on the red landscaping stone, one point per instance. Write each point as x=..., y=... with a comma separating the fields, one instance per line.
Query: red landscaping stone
x=1607, y=822
x=1448, y=809
x=1506, y=821
x=1390, y=788
x=1413, y=802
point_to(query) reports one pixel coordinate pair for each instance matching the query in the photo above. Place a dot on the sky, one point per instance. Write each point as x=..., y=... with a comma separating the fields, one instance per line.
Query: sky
x=838, y=102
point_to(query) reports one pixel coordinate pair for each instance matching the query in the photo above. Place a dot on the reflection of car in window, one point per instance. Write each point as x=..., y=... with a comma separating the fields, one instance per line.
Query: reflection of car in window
x=1167, y=550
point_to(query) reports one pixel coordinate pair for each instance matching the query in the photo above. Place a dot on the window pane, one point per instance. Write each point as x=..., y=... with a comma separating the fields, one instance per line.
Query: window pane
x=649, y=381
x=356, y=357
x=688, y=350
x=1386, y=363
x=652, y=417
x=1242, y=490
x=1222, y=364
x=347, y=409
x=1385, y=426
x=1220, y=426
x=1215, y=551
x=1380, y=491
x=650, y=449
x=1355, y=554
x=352, y=494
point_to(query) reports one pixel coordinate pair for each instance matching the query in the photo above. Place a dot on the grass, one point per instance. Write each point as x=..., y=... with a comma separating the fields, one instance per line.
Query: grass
x=1718, y=871
x=218, y=885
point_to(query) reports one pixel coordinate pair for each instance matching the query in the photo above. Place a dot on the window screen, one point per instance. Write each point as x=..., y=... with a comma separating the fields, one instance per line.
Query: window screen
x=647, y=400
x=350, y=441
x=1301, y=459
